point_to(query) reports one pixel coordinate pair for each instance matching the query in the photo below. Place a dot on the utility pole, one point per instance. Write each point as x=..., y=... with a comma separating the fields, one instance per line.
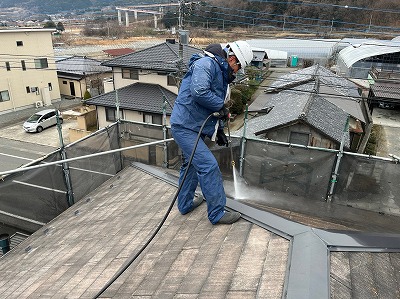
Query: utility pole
x=180, y=51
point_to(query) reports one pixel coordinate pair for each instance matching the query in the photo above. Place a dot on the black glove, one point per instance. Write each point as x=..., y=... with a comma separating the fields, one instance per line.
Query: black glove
x=223, y=113
x=221, y=138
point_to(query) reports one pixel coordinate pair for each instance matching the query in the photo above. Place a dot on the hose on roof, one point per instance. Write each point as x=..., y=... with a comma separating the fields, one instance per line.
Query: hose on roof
x=135, y=256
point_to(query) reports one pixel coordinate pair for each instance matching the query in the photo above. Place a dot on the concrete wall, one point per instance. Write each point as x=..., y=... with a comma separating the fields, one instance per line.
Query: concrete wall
x=36, y=43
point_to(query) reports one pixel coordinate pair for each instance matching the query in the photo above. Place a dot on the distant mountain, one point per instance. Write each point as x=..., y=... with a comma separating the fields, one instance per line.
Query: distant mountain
x=58, y=6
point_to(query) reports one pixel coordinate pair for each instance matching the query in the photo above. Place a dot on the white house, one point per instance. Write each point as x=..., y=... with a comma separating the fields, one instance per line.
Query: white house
x=28, y=75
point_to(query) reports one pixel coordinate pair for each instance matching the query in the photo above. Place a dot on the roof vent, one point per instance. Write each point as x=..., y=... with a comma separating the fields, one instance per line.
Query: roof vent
x=170, y=40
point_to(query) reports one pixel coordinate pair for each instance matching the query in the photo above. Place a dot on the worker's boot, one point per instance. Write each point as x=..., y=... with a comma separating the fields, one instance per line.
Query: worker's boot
x=229, y=218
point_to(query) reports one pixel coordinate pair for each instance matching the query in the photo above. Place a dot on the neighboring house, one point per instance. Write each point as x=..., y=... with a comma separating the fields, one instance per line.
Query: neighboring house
x=301, y=117
x=78, y=74
x=28, y=74
x=142, y=102
x=318, y=99
x=159, y=64
x=385, y=88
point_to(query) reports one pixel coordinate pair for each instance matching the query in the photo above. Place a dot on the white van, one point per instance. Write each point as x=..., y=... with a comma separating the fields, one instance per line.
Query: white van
x=42, y=120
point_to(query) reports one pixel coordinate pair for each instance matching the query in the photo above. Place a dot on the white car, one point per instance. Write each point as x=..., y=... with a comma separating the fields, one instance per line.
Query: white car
x=42, y=120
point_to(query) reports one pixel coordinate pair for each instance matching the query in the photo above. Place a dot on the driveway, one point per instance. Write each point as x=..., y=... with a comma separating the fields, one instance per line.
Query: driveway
x=389, y=119
x=49, y=136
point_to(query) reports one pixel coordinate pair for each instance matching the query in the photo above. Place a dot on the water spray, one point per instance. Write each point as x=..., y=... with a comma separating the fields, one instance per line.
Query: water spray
x=230, y=143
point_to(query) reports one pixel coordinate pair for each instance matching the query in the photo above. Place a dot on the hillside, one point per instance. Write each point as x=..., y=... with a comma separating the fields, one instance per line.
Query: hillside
x=62, y=6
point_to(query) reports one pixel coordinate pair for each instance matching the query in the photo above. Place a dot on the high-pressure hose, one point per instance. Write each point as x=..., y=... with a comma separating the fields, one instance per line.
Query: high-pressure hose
x=134, y=257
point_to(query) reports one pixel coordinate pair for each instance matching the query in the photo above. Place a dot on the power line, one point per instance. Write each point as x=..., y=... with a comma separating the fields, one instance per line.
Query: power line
x=306, y=3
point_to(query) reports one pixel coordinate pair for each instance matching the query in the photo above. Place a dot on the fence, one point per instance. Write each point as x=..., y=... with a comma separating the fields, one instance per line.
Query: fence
x=301, y=173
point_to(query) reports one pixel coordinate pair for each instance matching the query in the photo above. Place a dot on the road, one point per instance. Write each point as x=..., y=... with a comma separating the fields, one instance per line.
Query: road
x=19, y=148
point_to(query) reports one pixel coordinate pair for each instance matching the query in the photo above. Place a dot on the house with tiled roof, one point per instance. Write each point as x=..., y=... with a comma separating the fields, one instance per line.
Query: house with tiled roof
x=312, y=107
x=143, y=84
x=142, y=102
x=159, y=64
x=79, y=73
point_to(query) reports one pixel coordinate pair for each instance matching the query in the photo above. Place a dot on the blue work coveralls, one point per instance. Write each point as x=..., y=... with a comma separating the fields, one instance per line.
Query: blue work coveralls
x=202, y=92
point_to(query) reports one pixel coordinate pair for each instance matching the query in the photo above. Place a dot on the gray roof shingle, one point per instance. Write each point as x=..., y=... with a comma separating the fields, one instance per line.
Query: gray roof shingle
x=80, y=65
x=189, y=258
x=163, y=57
x=336, y=89
x=138, y=96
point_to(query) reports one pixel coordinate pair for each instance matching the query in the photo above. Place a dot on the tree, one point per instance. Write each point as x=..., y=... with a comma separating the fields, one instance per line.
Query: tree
x=49, y=24
x=87, y=95
x=60, y=26
x=170, y=19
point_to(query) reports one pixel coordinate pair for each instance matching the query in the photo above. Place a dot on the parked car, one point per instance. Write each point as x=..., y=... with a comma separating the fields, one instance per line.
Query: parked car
x=42, y=120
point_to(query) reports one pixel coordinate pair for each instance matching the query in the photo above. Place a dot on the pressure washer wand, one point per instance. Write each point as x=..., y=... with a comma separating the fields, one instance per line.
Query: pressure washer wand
x=217, y=114
x=230, y=141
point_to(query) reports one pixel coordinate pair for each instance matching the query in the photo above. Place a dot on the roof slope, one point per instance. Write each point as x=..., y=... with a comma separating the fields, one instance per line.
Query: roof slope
x=300, y=105
x=138, y=96
x=80, y=65
x=336, y=89
x=164, y=56
x=78, y=252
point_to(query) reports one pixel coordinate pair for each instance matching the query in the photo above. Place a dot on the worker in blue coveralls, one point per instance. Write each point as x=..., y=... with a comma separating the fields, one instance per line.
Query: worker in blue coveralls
x=203, y=91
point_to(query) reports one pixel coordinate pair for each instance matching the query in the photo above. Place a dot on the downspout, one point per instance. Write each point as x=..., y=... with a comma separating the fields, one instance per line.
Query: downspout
x=164, y=128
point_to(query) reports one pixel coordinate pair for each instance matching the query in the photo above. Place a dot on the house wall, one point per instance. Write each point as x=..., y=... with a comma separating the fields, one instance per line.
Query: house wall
x=126, y=114
x=145, y=76
x=316, y=139
x=36, y=43
x=82, y=85
x=65, y=88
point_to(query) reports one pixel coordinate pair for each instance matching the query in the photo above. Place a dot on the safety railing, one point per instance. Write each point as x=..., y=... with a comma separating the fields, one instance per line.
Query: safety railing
x=38, y=192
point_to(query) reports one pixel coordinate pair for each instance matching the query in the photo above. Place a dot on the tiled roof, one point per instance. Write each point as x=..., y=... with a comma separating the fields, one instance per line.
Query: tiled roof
x=78, y=252
x=290, y=106
x=260, y=256
x=143, y=97
x=80, y=65
x=164, y=57
x=338, y=90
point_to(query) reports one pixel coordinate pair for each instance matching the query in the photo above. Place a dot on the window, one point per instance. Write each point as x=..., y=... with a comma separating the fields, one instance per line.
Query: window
x=8, y=66
x=4, y=96
x=19, y=43
x=299, y=138
x=152, y=119
x=50, y=86
x=130, y=74
x=41, y=63
x=23, y=65
x=28, y=89
x=171, y=81
x=111, y=114
x=65, y=82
